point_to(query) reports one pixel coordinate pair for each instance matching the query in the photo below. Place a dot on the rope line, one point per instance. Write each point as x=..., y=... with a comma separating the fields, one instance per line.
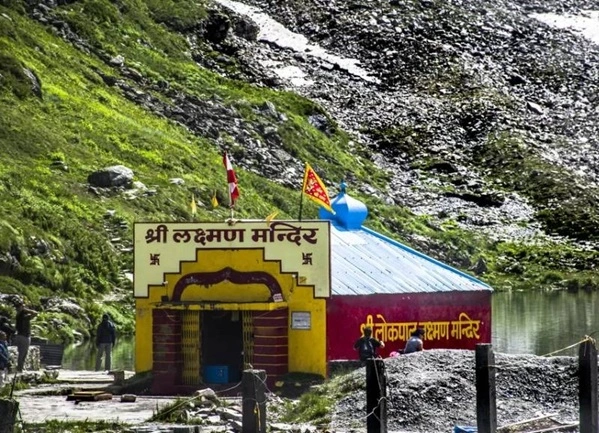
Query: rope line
x=508, y=366
x=221, y=391
x=383, y=398
x=584, y=340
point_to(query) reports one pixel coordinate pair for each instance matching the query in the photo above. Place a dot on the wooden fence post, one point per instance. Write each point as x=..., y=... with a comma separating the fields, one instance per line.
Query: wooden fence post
x=376, y=396
x=587, y=387
x=8, y=415
x=253, y=385
x=486, y=405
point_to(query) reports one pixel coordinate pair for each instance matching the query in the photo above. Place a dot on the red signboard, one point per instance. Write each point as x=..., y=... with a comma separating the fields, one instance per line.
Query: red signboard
x=451, y=320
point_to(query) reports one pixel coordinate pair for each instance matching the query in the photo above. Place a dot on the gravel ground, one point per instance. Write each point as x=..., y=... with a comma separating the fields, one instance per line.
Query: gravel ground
x=434, y=390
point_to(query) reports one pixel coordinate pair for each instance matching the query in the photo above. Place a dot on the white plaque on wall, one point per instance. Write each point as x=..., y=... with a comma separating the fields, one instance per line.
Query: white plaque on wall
x=300, y=320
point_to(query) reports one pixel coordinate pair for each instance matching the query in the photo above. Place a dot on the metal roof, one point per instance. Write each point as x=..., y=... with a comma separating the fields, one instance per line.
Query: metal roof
x=364, y=262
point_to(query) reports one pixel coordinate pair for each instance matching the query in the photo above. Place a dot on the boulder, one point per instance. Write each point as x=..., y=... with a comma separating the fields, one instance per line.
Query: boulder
x=229, y=414
x=36, y=84
x=206, y=394
x=128, y=398
x=245, y=28
x=322, y=123
x=111, y=177
x=60, y=305
x=8, y=263
x=117, y=61
x=217, y=27
x=10, y=300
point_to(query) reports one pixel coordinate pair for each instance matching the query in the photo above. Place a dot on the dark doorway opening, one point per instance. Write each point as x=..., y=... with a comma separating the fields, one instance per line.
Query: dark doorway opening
x=222, y=346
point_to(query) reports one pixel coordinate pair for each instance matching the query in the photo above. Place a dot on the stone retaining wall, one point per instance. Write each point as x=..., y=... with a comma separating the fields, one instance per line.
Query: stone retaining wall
x=32, y=362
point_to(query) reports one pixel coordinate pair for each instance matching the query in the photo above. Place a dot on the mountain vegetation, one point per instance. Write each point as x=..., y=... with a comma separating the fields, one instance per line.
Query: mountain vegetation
x=161, y=87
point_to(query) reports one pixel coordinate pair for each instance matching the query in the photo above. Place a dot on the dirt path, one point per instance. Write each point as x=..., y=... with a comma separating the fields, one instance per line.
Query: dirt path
x=39, y=409
x=49, y=402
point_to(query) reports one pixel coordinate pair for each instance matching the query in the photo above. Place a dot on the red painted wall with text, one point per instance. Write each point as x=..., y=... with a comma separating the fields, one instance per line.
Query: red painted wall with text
x=452, y=320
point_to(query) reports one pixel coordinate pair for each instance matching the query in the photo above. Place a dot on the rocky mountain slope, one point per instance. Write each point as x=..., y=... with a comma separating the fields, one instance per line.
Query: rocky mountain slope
x=484, y=114
x=469, y=129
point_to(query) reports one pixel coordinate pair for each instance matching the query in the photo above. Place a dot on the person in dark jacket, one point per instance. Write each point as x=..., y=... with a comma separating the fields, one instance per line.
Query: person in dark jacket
x=367, y=345
x=105, y=339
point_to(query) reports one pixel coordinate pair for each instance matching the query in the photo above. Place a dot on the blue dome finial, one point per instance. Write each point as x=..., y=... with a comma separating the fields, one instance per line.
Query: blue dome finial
x=347, y=211
x=342, y=186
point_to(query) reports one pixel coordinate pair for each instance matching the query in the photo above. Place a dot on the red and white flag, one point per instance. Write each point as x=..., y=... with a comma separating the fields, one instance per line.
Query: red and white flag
x=232, y=180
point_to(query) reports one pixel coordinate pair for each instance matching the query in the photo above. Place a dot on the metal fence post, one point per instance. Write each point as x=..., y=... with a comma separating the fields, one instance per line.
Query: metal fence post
x=486, y=405
x=587, y=387
x=376, y=396
x=253, y=385
x=8, y=415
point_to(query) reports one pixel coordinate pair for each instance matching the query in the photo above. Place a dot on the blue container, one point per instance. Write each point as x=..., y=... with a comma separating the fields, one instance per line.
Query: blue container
x=216, y=374
x=464, y=429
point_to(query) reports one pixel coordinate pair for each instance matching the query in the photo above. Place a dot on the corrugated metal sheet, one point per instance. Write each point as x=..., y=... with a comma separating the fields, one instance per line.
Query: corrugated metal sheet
x=365, y=262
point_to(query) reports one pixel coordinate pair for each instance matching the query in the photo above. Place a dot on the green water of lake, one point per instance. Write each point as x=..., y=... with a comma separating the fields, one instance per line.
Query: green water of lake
x=540, y=323
x=83, y=356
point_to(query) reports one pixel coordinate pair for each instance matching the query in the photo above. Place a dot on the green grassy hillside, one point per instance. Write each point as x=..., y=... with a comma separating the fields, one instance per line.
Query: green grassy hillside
x=87, y=125
x=60, y=238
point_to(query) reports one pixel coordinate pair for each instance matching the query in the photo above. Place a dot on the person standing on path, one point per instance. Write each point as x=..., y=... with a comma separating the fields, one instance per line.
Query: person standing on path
x=105, y=339
x=367, y=345
x=23, y=337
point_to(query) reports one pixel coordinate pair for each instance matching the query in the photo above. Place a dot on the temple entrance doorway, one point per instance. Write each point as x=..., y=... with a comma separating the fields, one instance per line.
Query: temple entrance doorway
x=222, y=346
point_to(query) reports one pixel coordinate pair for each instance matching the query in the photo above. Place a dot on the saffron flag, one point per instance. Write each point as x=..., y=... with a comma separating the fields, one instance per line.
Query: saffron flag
x=232, y=180
x=314, y=188
x=214, y=200
x=271, y=217
x=194, y=208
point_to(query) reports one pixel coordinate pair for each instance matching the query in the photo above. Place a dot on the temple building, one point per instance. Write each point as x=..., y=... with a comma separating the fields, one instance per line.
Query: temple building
x=213, y=299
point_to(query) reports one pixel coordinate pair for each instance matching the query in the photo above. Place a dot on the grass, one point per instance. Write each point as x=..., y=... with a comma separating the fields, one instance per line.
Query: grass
x=19, y=385
x=567, y=207
x=315, y=405
x=88, y=125
x=177, y=411
x=172, y=412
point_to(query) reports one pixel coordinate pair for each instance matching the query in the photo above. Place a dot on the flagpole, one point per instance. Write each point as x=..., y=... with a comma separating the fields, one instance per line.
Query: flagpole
x=302, y=192
x=301, y=205
x=231, y=179
x=230, y=202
